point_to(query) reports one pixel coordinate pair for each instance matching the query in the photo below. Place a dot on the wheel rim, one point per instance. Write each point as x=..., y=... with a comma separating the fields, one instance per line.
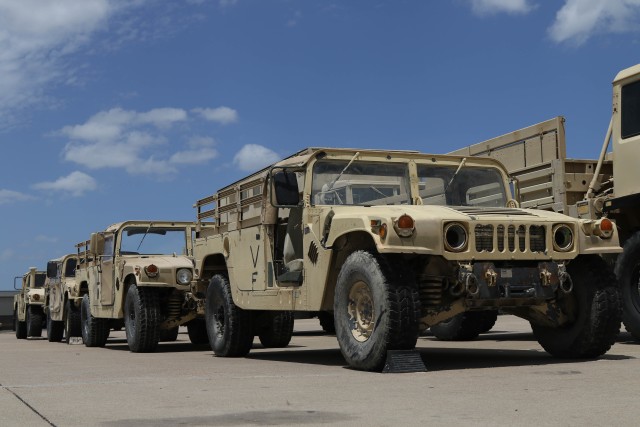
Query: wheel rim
x=361, y=311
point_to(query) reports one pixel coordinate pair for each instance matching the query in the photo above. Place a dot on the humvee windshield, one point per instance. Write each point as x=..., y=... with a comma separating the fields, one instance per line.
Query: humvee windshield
x=470, y=186
x=153, y=241
x=40, y=278
x=361, y=183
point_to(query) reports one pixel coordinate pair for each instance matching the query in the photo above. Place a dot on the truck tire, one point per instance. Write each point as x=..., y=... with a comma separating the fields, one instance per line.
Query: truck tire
x=628, y=273
x=326, y=322
x=141, y=319
x=20, y=327
x=465, y=326
x=229, y=327
x=55, y=329
x=277, y=330
x=197, y=331
x=34, y=321
x=72, y=323
x=596, y=298
x=95, y=330
x=374, y=310
x=169, y=335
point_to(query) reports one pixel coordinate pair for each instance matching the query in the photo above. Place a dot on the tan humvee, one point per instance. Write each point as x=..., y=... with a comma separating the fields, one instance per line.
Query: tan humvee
x=62, y=299
x=607, y=187
x=394, y=242
x=139, y=272
x=28, y=316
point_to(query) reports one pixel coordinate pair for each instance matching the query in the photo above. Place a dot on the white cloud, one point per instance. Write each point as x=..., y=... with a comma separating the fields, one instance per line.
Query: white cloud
x=201, y=151
x=222, y=115
x=35, y=39
x=139, y=141
x=490, y=7
x=76, y=183
x=8, y=196
x=252, y=157
x=578, y=20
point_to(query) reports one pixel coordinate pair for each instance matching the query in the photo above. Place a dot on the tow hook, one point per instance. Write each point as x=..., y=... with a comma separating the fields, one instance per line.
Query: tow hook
x=545, y=277
x=566, y=284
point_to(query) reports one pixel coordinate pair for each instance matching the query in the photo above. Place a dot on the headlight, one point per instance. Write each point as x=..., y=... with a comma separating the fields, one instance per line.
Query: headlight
x=562, y=238
x=35, y=297
x=184, y=276
x=455, y=237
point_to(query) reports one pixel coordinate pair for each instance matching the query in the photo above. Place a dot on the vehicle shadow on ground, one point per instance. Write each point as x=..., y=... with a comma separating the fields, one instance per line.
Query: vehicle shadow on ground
x=445, y=358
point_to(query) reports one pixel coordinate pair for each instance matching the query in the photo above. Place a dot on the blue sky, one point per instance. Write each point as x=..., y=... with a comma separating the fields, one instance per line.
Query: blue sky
x=113, y=110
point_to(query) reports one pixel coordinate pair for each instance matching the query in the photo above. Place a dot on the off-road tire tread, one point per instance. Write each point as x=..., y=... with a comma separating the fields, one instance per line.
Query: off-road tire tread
x=278, y=331
x=55, y=329
x=72, y=321
x=147, y=335
x=21, y=327
x=97, y=329
x=197, y=331
x=238, y=336
x=601, y=327
x=625, y=264
x=35, y=316
x=401, y=304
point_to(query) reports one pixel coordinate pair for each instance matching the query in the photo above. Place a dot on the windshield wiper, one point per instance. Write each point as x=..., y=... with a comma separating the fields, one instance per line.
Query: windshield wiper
x=343, y=171
x=142, y=240
x=462, y=162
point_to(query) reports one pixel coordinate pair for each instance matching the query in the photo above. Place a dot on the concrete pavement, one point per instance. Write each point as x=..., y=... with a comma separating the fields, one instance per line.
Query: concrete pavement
x=503, y=378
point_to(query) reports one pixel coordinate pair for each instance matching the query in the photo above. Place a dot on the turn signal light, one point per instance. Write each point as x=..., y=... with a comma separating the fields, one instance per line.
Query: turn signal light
x=603, y=228
x=151, y=270
x=404, y=225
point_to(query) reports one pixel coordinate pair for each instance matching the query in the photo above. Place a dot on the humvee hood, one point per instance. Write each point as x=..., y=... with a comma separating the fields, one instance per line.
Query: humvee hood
x=163, y=261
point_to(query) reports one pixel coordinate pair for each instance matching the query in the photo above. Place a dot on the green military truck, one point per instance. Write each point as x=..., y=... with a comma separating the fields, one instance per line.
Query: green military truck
x=62, y=299
x=139, y=273
x=391, y=243
x=589, y=189
x=28, y=316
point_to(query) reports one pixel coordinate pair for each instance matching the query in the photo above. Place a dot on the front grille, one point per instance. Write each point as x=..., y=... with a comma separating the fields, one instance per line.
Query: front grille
x=516, y=238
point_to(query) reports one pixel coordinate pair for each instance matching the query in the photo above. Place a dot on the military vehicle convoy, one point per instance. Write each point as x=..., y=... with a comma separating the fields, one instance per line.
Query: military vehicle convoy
x=28, y=316
x=62, y=299
x=607, y=187
x=139, y=272
x=393, y=242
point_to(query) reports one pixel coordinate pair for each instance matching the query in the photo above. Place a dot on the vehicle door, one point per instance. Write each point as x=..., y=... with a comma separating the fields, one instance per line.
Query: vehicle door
x=106, y=281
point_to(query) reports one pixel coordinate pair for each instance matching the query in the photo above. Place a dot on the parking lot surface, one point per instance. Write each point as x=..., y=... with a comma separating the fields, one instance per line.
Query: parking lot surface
x=502, y=378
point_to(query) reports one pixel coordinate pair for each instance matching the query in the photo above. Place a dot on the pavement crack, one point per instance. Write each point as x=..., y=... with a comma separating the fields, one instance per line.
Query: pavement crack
x=35, y=411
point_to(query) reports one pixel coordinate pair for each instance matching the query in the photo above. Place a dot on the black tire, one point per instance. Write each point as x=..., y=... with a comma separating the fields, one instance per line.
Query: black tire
x=326, y=322
x=628, y=273
x=169, y=335
x=72, y=321
x=229, y=327
x=141, y=319
x=374, y=310
x=55, y=329
x=95, y=331
x=277, y=329
x=20, y=327
x=596, y=307
x=35, y=318
x=465, y=326
x=197, y=330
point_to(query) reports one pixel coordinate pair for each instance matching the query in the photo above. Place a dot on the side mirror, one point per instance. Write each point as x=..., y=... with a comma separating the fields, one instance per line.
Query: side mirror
x=285, y=188
x=52, y=269
x=15, y=280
